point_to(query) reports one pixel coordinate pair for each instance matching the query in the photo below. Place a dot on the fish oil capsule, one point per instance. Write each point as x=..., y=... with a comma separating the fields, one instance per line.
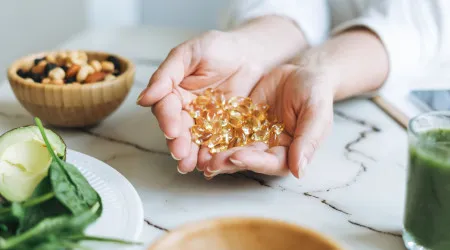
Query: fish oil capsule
x=235, y=122
x=273, y=139
x=216, y=127
x=235, y=114
x=278, y=128
x=235, y=101
x=256, y=124
x=247, y=128
x=202, y=100
x=262, y=107
x=214, y=107
x=247, y=102
x=244, y=110
x=219, y=148
x=220, y=98
x=194, y=113
x=210, y=115
x=197, y=130
x=214, y=140
x=224, y=119
x=205, y=139
x=260, y=136
x=242, y=137
x=205, y=124
x=209, y=92
x=232, y=142
x=227, y=135
x=260, y=115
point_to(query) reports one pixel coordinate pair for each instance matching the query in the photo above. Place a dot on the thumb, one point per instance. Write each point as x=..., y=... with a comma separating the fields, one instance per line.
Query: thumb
x=312, y=125
x=168, y=75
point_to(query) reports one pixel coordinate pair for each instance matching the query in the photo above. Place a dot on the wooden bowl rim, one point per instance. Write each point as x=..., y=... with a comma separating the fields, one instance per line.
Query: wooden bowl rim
x=16, y=79
x=209, y=224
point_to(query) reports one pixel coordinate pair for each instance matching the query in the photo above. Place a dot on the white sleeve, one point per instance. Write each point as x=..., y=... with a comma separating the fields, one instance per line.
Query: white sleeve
x=415, y=33
x=311, y=17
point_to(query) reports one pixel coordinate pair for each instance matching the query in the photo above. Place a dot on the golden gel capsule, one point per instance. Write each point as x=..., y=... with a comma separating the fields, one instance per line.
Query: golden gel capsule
x=221, y=124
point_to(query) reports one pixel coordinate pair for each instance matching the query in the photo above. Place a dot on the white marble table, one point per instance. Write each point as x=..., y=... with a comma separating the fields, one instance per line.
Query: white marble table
x=353, y=191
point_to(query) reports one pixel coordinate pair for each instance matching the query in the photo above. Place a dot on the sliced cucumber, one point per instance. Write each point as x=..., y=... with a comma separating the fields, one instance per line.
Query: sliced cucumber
x=24, y=161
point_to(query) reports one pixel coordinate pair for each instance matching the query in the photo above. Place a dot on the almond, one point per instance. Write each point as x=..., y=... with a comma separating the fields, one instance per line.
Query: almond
x=39, y=69
x=73, y=70
x=95, y=77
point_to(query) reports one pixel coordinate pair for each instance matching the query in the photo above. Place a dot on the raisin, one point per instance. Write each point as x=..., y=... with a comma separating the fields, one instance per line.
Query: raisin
x=65, y=68
x=36, y=77
x=22, y=73
x=115, y=61
x=37, y=60
x=116, y=72
x=71, y=79
x=49, y=67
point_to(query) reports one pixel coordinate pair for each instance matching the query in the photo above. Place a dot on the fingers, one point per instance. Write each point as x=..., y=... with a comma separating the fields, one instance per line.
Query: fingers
x=312, y=126
x=188, y=164
x=168, y=114
x=241, y=82
x=204, y=158
x=269, y=88
x=220, y=163
x=271, y=162
x=180, y=146
x=169, y=75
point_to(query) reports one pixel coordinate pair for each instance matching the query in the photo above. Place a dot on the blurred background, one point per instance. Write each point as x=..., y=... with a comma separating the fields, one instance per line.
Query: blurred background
x=28, y=26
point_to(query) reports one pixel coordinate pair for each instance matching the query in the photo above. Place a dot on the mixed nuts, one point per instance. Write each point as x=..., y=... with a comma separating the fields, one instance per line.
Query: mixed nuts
x=73, y=67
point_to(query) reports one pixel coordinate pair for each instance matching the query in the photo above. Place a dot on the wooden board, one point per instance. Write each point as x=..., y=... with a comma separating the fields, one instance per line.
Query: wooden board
x=392, y=111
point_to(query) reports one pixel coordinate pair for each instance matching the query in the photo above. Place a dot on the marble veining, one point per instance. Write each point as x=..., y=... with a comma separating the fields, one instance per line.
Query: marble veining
x=353, y=190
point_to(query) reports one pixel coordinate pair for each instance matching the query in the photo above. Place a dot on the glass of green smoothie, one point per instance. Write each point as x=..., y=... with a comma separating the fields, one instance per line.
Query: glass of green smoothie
x=427, y=209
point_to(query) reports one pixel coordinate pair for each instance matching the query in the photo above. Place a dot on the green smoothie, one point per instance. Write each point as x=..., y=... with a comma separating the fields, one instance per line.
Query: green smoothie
x=427, y=210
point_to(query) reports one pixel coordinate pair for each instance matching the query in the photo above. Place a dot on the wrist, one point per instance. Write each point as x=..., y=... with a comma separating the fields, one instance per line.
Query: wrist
x=269, y=40
x=318, y=66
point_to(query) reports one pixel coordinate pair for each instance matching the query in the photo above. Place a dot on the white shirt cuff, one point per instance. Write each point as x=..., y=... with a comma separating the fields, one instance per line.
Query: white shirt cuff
x=402, y=44
x=310, y=16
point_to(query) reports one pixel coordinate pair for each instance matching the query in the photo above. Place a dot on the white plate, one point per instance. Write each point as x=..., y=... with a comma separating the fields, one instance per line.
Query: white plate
x=123, y=214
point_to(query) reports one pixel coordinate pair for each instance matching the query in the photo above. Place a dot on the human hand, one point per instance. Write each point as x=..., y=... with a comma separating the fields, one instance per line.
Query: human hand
x=213, y=60
x=300, y=97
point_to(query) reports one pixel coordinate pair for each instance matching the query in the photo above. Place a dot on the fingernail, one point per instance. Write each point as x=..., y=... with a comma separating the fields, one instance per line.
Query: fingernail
x=140, y=97
x=213, y=170
x=302, y=167
x=208, y=178
x=167, y=137
x=198, y=169
x=173, y=156
x=179, y=171
x=210, y=175
x=237, y=163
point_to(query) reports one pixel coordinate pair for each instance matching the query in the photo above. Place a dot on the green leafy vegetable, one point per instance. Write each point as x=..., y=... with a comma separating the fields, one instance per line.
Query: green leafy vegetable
x=70, y=186
x=63, y=225
x=41, y=205
x=55, y=216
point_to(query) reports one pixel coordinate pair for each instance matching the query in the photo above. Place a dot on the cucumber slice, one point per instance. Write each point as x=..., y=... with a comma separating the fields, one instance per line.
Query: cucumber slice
x=24, y=161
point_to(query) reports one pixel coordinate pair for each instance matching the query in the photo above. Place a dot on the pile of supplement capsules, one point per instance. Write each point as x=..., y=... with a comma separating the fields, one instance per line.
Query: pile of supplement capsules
x=221, y=124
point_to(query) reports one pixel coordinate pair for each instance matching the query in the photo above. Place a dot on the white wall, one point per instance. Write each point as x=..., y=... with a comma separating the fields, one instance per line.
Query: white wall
x=29, y=26
x=183, y=13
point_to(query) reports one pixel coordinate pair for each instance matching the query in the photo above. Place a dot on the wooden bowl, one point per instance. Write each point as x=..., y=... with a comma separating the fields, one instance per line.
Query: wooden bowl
x=72, y=105
x=243, y=234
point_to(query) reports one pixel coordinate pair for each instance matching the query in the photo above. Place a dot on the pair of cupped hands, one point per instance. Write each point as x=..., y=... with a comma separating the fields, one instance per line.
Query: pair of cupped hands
x=297, y=95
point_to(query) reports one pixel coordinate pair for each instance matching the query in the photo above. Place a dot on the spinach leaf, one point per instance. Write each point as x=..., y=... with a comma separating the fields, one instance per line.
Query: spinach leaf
x=69, y=185
x=103, y=239
x=42, y=204
x=71, y=188
x=61, y=227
